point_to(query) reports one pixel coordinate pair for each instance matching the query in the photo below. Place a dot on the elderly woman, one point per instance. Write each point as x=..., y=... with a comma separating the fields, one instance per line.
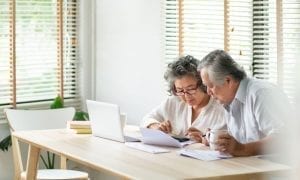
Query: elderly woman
x=189, y=111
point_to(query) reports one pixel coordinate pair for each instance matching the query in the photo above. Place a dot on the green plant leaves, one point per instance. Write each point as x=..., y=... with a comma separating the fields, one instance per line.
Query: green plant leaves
x=57, y=103
x=5, y=143
x=81, y=116
x=49, y=164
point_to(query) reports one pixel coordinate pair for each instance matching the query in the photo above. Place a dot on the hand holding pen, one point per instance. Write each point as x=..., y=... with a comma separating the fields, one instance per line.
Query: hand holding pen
x=204, y=138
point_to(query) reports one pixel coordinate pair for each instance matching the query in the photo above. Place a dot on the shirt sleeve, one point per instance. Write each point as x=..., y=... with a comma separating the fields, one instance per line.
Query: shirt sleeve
x=159, y=113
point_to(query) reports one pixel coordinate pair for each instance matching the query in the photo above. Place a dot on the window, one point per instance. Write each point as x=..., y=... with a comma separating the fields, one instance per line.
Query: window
x=261, y=35
x=38, y=53
x=183, y=32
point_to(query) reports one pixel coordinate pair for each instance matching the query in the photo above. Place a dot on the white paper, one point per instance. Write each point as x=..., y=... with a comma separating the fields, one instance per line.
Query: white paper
x=205, y=155
x=156, y=137
x=146, y=147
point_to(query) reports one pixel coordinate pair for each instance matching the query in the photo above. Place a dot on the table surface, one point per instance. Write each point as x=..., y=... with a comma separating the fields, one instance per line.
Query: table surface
x=117, y=159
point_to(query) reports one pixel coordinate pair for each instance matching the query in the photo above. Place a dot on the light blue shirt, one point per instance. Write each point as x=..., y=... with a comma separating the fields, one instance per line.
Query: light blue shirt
x=259, y=109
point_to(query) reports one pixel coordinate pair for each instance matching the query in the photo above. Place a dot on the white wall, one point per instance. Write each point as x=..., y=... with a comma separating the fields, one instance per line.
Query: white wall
x=85, y=47
x=129, y=66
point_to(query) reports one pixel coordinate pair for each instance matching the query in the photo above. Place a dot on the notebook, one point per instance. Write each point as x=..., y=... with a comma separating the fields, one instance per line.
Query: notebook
x=106, y=122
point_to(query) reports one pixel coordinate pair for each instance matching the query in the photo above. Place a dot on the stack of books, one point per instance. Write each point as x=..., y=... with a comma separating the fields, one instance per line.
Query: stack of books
x=79, y=127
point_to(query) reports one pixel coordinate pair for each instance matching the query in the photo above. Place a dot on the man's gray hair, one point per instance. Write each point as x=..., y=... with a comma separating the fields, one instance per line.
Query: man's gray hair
x=220, y=64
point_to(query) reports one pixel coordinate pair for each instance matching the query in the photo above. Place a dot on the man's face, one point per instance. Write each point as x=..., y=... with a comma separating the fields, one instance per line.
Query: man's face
x=224, y=93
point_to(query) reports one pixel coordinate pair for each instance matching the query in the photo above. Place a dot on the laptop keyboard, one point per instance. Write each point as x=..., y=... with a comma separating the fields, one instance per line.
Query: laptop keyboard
x=131, y=139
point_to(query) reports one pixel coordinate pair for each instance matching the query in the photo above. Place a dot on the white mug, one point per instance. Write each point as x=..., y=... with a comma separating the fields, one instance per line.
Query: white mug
x=212, y=137
x=123, y=118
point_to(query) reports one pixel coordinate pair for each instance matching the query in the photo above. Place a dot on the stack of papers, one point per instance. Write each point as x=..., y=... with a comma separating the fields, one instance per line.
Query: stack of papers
x=157, y=137
x=204, y=155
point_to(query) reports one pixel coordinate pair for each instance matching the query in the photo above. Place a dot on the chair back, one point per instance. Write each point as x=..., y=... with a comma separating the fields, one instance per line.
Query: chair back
x=20, y=120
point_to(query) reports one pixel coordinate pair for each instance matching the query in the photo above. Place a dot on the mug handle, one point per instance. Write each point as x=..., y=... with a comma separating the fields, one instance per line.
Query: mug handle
x=207, y=135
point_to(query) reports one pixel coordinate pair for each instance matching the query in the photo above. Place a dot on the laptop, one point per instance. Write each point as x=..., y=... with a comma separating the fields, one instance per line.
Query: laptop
x=106, y=121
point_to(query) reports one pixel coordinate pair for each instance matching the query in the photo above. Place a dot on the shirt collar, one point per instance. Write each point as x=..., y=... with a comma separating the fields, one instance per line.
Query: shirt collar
x=240, y=94
x=242, y=90
x=207, y=106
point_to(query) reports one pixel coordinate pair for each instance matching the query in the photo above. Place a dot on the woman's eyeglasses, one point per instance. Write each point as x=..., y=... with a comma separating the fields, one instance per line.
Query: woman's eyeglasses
x=190, y=92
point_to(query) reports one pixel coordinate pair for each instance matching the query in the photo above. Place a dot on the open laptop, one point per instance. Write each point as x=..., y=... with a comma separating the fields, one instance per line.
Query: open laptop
x=106, y=122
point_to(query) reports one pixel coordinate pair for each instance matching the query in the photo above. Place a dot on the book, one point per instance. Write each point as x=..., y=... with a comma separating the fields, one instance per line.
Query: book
x=81, y=130
x=78, y=125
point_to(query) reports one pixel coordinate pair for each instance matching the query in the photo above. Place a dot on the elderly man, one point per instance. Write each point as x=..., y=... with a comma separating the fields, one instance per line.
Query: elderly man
x=255, y=110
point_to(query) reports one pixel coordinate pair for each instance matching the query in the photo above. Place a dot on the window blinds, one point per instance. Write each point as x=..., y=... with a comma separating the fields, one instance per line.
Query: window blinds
x=263, y=36
x=170, y=30
x=198, y=27
x=42, y=41
x=238, y=32
x=264, y=40
x=276, y=42
x=202, y=27
x=5, y=43
x=290, y=45
x=197, y=39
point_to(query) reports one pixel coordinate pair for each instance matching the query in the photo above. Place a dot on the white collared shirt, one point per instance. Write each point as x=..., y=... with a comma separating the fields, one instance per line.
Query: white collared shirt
x=180, y=115
x=258, y=110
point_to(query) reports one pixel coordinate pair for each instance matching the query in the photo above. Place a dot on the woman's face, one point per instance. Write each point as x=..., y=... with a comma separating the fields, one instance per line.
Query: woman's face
x=186, y=89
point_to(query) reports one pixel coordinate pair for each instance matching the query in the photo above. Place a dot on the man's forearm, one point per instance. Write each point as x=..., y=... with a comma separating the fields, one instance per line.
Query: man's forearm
x=262, y=146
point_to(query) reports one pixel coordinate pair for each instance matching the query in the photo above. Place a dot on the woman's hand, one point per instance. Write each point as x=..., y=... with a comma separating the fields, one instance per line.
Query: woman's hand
x=164, y=126
x=194, y=134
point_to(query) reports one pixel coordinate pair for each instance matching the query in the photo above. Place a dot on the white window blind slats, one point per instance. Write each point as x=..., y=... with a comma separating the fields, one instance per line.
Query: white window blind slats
x=33, y=26
x=251, y=34
x=264, y=40
x=203, y=27
x=37, y=52
x=170, y=28
x=70, y=43
x=4, y=54
x=291, y=44
x=201, y=4
x=239, y=29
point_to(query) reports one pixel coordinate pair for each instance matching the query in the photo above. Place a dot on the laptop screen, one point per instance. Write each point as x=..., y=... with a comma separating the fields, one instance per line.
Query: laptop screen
x=105, y=120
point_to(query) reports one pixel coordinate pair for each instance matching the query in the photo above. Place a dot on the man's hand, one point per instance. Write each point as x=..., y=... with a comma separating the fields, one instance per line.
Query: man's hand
x=228, y=144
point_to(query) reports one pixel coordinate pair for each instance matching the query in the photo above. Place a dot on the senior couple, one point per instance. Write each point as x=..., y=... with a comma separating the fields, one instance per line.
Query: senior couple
x=215, y=93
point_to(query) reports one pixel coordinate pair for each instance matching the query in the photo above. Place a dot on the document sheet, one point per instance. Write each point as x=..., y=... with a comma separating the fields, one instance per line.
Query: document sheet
x=156, y=137
x=146, y=147
x=205, y=155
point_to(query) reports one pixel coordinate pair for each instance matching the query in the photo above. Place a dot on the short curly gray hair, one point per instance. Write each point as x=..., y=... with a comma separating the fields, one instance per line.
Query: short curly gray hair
x=183, y=66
